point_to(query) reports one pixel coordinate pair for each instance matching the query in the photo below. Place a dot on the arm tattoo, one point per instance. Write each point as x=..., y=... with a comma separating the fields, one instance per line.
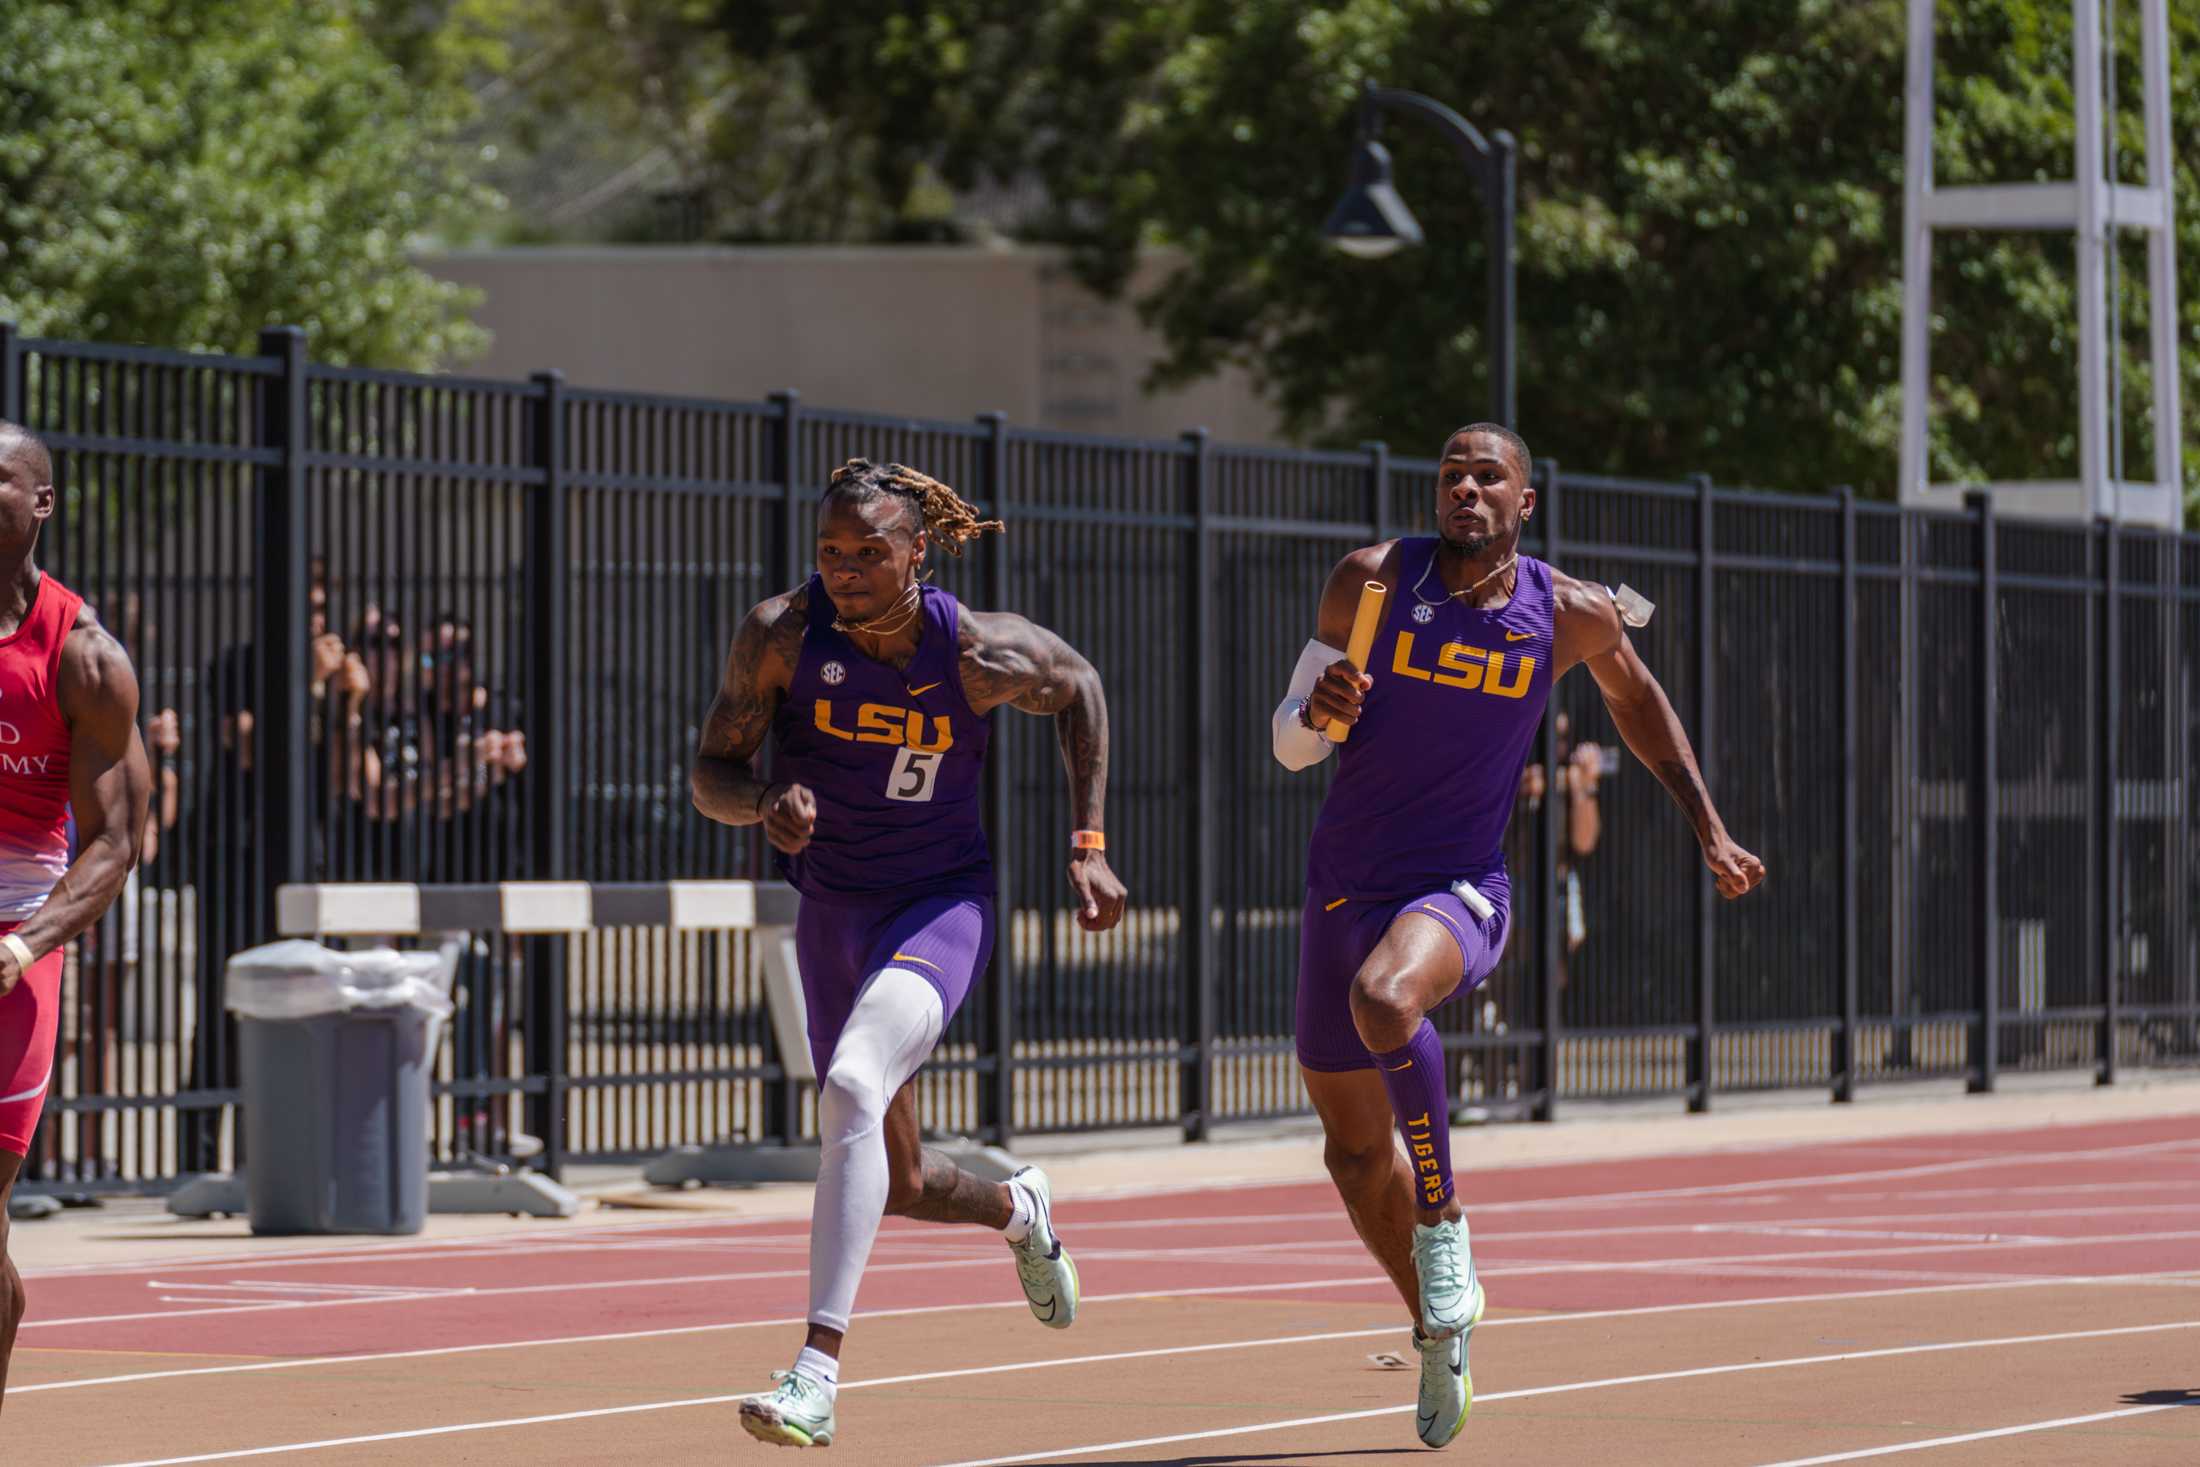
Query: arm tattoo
x=724, y=782
x=1685, y=785
x=1008, y=660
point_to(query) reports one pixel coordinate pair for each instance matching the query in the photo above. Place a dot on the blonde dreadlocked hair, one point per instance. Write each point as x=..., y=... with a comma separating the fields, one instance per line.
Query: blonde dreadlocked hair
x=945, y=515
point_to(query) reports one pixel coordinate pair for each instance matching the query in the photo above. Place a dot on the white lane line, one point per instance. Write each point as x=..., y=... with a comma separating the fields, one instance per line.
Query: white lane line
x=1555, y=1317
x=1490, y=1268
x=1584, y=1385
x=1980, y=1436
x=1026, y=1365
x=2026, y=1159
x=1884, y=1235
x=568, y=1287
x=2080, y=1189
x=369, y=1251
x=263, y=1288
x=1685, y=1262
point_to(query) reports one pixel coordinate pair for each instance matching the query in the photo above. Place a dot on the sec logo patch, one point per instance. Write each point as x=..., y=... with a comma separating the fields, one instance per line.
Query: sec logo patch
x=1424, y=613
x=833, y=673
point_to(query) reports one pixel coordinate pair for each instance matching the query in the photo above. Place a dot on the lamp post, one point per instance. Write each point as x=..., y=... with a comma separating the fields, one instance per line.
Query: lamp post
x=1371, y=221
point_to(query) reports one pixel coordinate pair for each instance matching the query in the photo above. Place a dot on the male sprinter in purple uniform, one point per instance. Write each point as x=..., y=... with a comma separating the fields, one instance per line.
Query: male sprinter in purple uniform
x=1410, y=841
x=876, y=690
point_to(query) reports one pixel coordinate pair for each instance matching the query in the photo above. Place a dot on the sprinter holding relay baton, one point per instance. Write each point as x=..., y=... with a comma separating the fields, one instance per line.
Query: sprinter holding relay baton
x=1452, y=643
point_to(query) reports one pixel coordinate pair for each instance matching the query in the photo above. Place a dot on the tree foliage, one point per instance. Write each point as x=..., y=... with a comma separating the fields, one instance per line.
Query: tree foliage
x=1710, y=207
x=184, y=172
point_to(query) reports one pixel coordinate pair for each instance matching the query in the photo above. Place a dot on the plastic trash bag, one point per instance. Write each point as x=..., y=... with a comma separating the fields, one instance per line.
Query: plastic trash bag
x=297, y=979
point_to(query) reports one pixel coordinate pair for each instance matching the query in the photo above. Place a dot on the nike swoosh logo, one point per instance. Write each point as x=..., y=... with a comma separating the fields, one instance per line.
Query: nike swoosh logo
x=1518, y=636
x=1043, y=1318
x=1406, y=1066
x=920, y=692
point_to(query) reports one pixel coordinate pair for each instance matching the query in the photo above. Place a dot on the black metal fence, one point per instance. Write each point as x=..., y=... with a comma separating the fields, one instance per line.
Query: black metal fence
x=1963, y=745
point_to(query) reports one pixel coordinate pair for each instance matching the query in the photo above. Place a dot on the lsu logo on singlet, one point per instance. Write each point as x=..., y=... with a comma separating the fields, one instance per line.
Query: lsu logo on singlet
x=917, y=767
x=1474, y=669
x=883, y=723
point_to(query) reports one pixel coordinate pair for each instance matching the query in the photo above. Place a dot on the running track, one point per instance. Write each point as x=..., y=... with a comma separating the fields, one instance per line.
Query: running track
x=2027, y=1297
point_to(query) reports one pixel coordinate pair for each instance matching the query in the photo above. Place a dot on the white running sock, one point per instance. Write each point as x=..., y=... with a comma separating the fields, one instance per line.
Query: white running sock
x=1023, y=1214
x=819, y=1367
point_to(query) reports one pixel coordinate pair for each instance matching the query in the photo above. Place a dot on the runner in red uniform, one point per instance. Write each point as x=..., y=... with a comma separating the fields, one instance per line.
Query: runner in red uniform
x=68, y=739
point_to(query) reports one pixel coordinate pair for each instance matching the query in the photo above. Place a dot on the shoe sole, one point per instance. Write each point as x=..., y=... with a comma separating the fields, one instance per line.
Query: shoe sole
x=779, y=1433
x=1466, y=1372
x=1064, y=1318
x=1065, y=1309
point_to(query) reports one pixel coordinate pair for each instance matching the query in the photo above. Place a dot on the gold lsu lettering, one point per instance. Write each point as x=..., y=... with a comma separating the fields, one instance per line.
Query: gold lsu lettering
x=1473, y=668
x=883, y=723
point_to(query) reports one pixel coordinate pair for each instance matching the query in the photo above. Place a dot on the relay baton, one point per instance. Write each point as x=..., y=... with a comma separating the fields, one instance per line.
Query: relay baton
x=1365, y=623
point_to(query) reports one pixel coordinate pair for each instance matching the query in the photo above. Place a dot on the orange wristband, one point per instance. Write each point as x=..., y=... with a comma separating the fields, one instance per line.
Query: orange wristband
x=1087, y=840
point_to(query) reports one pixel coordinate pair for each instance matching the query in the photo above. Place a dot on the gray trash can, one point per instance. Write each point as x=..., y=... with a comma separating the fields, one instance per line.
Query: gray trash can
x=336, y=1051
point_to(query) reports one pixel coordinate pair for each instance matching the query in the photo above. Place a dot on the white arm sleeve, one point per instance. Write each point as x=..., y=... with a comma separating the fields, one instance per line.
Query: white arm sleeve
x=1297, y=746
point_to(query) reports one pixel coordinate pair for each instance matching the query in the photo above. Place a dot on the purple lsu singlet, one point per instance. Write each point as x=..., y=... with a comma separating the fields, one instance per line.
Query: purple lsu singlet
x=1425, y=783
x=894, y=759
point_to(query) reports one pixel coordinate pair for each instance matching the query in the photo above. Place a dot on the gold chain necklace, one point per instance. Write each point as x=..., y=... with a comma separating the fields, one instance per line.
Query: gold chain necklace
x=1510, y=562
x=906, y=606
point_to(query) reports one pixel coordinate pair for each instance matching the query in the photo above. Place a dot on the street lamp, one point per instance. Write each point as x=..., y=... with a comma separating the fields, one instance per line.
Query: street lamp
x=1371, y=221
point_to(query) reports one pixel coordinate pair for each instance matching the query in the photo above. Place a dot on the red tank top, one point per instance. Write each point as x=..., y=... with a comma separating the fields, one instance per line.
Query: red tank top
x=34, y=752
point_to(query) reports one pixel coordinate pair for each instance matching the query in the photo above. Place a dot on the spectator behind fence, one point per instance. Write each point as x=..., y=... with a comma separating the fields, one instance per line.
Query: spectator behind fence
x=476, y=746
x=224, y=829
x=393, y=734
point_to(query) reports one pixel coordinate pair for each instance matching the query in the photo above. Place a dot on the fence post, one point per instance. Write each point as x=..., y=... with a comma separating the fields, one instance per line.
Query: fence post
x=1700, y=1053
x=1986, y=789
x=785, y=450
x=279, y=617
x=1550, y=951
x=1844, y=1044
x=11, y=373
x=2176, y=771
x=548, y=587
x=1378, y=486
x=2111, y=873
x=1199, y=897
x=782, y=1117
x=997, y=1092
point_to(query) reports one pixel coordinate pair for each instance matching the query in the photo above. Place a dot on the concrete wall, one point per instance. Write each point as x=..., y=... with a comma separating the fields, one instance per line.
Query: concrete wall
x=922, y=331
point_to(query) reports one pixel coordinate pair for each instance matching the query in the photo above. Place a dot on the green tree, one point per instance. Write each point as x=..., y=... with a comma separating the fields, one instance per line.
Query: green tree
x=184, y=172
x=1710, y=207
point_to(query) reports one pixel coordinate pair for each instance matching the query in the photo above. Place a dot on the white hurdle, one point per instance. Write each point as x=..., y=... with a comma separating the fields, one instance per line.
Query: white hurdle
x=550, y=908
x=352, y=909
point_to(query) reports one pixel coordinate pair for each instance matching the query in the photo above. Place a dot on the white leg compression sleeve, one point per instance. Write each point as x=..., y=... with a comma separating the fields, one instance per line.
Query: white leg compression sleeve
x=896, y=1022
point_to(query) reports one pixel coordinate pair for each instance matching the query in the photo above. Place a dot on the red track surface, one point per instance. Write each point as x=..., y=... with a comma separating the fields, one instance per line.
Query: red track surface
x=1921, y=1224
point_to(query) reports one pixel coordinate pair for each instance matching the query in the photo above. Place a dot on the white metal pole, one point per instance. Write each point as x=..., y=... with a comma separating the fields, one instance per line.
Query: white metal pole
x=2093, y=321
x=1917, y=256
x=2169, y=426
